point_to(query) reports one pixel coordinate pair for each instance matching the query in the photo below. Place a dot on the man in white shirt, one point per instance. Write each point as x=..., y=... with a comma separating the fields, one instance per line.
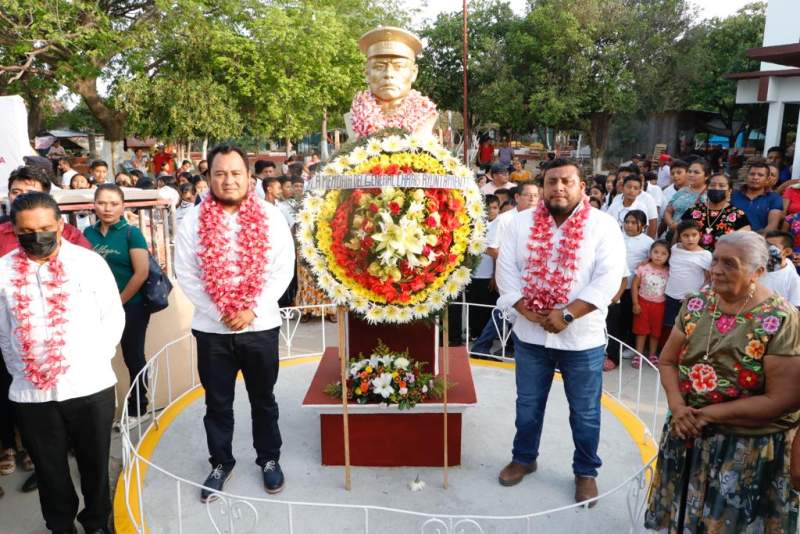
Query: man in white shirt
x=525, y=198
x=560, y=317
x=499, y=180
x=664, y=177
x=67, y=172
x=264, y=169
x=236, y=321
x=781, y=276
x=60, y=321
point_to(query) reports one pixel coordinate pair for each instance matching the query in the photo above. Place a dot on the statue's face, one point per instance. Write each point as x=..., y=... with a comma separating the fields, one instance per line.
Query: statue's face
x=390, y=77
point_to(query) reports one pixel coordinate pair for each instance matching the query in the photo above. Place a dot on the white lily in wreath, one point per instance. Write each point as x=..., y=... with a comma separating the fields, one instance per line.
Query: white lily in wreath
x=383, y=385
x=405, y=239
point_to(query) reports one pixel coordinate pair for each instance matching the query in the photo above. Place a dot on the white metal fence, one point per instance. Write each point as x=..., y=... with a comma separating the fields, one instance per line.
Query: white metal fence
x=232, y=514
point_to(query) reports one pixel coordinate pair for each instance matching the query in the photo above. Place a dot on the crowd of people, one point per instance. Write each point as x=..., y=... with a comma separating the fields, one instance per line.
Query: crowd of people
x=700, y=274
x=696, y=271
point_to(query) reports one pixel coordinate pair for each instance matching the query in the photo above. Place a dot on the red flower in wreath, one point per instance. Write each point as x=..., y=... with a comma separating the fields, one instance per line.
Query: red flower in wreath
x=748, y=379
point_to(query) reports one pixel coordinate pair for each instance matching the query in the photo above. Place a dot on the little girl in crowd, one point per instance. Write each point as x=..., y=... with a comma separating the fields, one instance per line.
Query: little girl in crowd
x=619, y=320
x=688, y=269
x=647, y=294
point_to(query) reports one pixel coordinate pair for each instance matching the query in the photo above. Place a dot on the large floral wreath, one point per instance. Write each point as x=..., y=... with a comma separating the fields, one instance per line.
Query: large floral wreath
x=394, y=254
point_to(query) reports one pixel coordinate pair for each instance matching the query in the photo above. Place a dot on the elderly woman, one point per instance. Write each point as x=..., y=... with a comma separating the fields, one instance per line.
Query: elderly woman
x=730, y=375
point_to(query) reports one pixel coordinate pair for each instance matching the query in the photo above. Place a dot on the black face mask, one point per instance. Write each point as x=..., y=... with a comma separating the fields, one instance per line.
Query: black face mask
x=716, y=195
x=38, y=244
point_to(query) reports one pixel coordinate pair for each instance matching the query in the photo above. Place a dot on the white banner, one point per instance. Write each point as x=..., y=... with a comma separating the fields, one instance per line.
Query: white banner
x=14, y=143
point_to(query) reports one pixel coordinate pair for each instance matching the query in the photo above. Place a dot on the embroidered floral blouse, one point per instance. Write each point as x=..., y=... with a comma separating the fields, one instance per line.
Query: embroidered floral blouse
x=734, y=367
x=714, y=224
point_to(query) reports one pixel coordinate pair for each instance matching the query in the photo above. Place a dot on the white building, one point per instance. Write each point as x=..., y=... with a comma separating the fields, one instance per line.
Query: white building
x=777, y=83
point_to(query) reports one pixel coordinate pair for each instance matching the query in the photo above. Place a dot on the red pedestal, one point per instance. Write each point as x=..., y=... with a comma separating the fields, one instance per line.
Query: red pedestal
x=389, y=437
x=418, y=338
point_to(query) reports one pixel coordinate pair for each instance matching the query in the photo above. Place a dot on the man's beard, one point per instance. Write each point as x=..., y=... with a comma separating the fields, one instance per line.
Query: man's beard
x=557, y=210
x=225, y=201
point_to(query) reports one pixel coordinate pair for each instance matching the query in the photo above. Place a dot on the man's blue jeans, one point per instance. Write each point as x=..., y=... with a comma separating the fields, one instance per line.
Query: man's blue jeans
x=582, y=372
x=483, y=345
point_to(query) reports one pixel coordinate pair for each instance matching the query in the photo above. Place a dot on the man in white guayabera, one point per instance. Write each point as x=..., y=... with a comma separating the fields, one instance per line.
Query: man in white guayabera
x=558, y=268
x=234, y=258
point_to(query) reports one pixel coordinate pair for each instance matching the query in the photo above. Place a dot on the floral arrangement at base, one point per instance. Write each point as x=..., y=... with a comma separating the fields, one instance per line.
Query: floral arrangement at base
x=390, y=378
x=394, y=254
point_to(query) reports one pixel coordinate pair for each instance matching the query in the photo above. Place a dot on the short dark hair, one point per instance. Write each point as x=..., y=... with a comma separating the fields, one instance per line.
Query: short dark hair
x=728, y=179
x=298, y=180
x=98, y=163
x=678, y=164
x=66, y=160
x=703, y=162
x=188, y=188
x=145, y=183
x=650, y=175
x=29, y=173
x=262, y=164
x=488, y=199
x=787, y=240
x=109, y=187
x=632, y=178
x=33, y=200
x=758, y=165
x=184, y=162
x=563, y=162
x=186, y=175
x=628, y=168
x=686, y=225
x=225, y=149
x=776, y=149
x=271, y=180
x=639, y=215
x=502, y=191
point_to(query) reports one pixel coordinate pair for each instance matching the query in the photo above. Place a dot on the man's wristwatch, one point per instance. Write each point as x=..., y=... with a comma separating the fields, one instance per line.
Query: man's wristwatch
x=567, y=315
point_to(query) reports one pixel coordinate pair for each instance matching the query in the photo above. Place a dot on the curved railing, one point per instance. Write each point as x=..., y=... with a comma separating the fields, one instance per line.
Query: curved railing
x=231, y=513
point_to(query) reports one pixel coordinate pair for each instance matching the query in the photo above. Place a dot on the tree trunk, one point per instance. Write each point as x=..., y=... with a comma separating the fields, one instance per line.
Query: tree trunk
x=35, y=115
x=598, y=137
x=205, y=147
x=323, y=142
x=288, y=147
x=113, y=121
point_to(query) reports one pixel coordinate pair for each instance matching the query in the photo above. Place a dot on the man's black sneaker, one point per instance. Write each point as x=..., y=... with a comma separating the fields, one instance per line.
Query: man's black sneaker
x=214, y=483
x=30, y=484
x=273, y=477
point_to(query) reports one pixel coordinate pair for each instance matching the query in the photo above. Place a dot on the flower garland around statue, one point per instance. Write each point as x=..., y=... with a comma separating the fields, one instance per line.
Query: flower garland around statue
x=368, y=118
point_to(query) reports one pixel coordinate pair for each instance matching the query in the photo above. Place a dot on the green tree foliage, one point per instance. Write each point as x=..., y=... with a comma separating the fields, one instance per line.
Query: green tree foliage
x=441, y=63
x=722, y=45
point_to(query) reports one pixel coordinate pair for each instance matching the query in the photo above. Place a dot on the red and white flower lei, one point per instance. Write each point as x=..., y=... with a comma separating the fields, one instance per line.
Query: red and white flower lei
x=42, y=370
x=367, y=116
x=546, y=288
x=233, y=286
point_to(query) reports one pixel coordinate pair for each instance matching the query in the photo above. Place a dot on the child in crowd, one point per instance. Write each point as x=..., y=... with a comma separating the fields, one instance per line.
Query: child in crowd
x=647, y=294
x=620, y=319
x=781, y=275
x=188, y=198
x=792, y=225
x=637, y=250
x=595, y=203
x=688, y=269
x=632, y=200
